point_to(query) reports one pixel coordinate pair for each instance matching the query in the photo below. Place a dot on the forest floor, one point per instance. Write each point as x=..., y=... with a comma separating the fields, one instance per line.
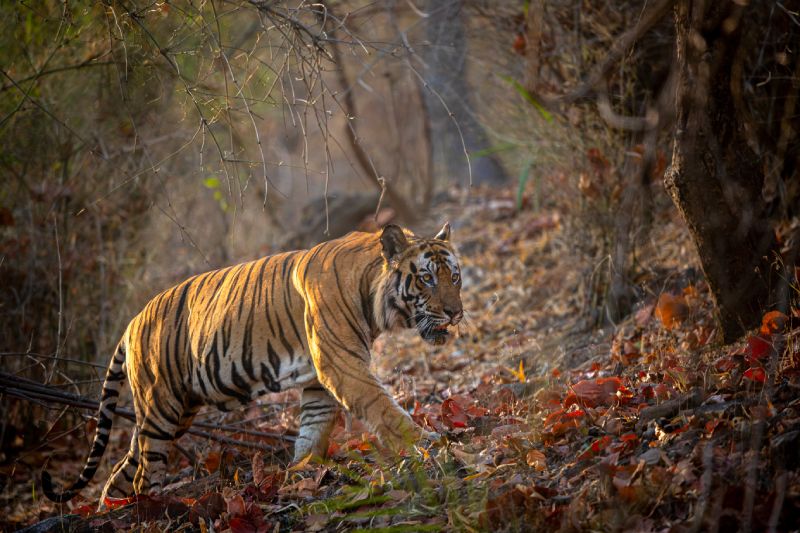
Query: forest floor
x=548, y=424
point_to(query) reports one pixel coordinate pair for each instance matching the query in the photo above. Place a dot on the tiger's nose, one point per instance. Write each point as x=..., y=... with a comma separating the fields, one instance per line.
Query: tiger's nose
x=455, y=313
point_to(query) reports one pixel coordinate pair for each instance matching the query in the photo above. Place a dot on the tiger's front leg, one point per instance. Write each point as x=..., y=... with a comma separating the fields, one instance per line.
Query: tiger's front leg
x=345, y=373
x=318, y=410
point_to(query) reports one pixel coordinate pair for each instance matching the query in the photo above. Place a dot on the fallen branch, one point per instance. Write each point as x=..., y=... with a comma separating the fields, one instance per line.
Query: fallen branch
x=670, y=407
x=30, y=390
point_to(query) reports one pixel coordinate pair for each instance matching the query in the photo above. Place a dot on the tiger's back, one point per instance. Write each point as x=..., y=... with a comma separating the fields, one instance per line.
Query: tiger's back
x=196, y=343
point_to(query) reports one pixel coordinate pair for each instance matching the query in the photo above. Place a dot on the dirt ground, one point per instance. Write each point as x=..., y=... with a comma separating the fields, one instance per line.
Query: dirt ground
x=548, y=420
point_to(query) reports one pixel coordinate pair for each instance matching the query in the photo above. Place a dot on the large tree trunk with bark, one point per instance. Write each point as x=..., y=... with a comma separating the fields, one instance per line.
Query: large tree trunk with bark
x=716, y=177
x=447, y=98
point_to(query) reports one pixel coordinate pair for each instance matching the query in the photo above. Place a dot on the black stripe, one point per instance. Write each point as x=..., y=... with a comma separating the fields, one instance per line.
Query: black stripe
x=156, y=457
x=115, y=376
x=202, y=383
x=173, y=417
x=247, y=346
x=233, y=284
x=218, y=382
x=274, y=360
x=288, y=292
x=260, y=280
x=157, y=432
x=182, y=301
x=166, y=363
x=311, y=408
x=177, y=351
x=237, y=380
x=268, y=379
x=245, y=284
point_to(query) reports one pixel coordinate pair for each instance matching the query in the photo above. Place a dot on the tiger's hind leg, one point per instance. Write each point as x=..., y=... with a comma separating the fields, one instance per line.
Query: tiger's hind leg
x=318, y=410
x=156, y=435
x=120, y=483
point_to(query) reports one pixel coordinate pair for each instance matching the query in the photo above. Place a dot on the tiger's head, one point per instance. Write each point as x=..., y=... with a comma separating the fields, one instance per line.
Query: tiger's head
x=421, y=286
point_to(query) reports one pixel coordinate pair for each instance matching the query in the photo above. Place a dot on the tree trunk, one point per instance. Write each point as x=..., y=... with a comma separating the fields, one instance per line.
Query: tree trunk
x=716, y=178
x=445, y=56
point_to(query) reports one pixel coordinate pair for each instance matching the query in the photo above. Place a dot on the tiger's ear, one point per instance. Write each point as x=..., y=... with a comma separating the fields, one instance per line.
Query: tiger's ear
x=393, y=241
x=444, y=233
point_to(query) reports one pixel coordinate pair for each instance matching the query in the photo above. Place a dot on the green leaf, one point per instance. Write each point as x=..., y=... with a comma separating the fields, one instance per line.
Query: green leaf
x=493, y=150
x=529, y=97
x=212, y=182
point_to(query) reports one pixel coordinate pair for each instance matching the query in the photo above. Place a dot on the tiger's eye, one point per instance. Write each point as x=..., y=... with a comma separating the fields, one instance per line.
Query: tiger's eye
x=427, y=278
x=456, y=277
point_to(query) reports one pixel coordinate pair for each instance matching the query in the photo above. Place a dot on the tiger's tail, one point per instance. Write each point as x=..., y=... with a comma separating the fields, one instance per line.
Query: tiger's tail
x=115, y=379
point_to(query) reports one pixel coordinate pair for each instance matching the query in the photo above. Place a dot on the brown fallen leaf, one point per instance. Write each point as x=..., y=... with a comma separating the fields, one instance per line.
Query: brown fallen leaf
x=536, y=460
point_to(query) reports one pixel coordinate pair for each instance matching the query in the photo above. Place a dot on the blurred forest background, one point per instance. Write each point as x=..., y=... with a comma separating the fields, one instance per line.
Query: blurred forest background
x=143, y=142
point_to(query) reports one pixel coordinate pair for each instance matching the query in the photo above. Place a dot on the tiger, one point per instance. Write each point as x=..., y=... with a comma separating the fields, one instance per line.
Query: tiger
x=304, y=319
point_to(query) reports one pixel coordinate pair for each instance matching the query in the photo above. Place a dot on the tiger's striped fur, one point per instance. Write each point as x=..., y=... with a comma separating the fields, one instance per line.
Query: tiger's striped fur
x=298, y=319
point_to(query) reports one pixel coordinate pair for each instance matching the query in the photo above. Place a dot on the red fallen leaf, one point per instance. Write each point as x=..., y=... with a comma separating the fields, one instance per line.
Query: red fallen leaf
x=453, y=415
x=364, y=443
x=556, y=373
x=85, y=510
x=561, y=421
x=209, y=506
x=266, y=480
x=671, y=309
x=600, y=391
x=628, y=441
x=756, y=373
x=246, y=517
x=240, y=524
x=681, y=429
x=236, y=505
x=264, y=493
x=519, y=44
x=758, y=347
x=577, y=413
x=561, y=415
x=711, y=425
x=333, y=448
x=150, y=507
x=647, y=391
x=212, y=462
x=116, y=503
x=663, y=391
x=773, y=322
x=476, y=411
x=594, y=448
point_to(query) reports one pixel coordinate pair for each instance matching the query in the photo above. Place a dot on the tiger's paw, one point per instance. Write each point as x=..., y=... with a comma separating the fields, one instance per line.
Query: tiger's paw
x=429, y=438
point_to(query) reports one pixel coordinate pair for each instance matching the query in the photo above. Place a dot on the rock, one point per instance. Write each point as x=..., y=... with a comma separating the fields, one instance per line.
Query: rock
x=651, y=456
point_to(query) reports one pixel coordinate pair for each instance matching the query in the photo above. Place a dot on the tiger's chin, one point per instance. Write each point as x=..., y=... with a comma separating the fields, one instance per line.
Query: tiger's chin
x=437, y=334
